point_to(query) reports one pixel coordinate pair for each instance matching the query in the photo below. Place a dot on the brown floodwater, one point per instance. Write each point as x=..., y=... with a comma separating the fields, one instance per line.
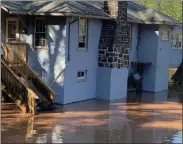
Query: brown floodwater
x=153, y=118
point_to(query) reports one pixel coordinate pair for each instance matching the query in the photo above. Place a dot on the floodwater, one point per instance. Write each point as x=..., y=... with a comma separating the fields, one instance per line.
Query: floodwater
x=153, y=118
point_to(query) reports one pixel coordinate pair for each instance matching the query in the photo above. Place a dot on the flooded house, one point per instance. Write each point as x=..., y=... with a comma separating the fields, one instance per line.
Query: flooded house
x=78, y=50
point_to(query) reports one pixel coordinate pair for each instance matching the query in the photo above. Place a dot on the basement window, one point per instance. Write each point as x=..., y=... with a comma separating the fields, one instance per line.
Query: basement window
x=40, y=33
x=81, y=75
x=83, y=34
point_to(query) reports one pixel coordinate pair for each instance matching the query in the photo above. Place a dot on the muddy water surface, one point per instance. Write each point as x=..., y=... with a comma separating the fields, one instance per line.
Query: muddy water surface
x=153, y=118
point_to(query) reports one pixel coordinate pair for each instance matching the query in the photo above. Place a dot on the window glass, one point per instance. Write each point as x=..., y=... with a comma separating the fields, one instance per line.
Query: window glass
x=176, y=40
x=40, y=32
x=81, y=75
x=83, y=33
x=164, y=34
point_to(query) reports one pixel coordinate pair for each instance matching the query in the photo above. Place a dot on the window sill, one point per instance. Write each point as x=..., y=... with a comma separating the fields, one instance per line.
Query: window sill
x=177, y=49
x=82, y=49
x=81, y=80
x=40, y=48
x=16, y=42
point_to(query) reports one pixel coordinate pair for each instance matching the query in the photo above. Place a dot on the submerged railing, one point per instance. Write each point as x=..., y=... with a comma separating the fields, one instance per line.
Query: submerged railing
x=17, y=89
x=18, y=64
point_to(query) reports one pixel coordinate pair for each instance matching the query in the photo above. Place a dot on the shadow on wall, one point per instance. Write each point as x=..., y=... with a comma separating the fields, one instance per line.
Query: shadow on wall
x=56, y=54
x=50, y=62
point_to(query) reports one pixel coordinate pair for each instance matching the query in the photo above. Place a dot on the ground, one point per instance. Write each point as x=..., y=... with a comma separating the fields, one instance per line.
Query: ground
x=153, y=118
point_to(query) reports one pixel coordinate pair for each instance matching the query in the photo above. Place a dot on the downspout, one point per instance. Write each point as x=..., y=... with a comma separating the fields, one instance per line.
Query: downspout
x=68, y=55
x=138, y=42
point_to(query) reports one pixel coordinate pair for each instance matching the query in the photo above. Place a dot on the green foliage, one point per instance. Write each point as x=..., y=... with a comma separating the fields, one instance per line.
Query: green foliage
x=171, y=8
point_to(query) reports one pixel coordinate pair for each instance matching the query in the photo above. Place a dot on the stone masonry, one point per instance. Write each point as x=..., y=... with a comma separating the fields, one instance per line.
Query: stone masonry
x=114, y=44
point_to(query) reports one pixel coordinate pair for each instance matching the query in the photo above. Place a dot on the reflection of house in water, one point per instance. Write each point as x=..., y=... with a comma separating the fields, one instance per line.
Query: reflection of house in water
x=150, y=120
x=53, y=136
x=115, y=122
x=125, y=134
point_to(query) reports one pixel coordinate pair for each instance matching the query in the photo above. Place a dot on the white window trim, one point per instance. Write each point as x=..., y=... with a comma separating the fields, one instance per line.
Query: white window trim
x=40, y=47
x=179, y=48
x=82, y=78
x=168, y=35
x=86, y=42
x=17, y=29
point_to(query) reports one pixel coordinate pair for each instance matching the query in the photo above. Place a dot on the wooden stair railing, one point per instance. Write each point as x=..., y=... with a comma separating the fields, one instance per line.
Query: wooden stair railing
x=16, y=63
x=17, y=89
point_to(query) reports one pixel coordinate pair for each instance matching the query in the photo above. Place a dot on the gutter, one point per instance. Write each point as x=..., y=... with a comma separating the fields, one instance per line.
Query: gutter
x=5, y=9
x=65, y=14
x=138, y=43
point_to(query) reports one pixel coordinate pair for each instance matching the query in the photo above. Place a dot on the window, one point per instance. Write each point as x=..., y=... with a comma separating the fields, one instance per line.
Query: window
x=82, y=75
x=164, y=35
x=176, y=40
x=12, y=29
x=83, y=30
x=40, y=33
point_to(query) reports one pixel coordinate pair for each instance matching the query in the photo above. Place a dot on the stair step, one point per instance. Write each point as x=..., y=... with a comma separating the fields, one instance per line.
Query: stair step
x=18, y=102
x=17, y=72
x=45, y=104
x=3, y=86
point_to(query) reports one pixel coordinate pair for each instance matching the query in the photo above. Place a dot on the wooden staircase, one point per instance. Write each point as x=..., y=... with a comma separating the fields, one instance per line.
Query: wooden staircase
x=22, y=84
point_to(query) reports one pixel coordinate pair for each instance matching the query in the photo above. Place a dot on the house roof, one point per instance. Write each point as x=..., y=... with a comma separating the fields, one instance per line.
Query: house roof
x=93, y=9
x=149, y=15
x=65, y=8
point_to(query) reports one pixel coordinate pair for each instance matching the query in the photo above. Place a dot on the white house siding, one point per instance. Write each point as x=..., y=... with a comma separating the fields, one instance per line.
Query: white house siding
x=82, y=60
x=50, y=61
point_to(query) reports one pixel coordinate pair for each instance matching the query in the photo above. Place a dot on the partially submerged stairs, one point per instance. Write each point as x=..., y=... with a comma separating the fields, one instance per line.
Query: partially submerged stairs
x=22, y=84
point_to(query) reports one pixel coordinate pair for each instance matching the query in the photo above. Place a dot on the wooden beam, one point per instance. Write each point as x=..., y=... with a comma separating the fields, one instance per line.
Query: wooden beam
x=18, y=102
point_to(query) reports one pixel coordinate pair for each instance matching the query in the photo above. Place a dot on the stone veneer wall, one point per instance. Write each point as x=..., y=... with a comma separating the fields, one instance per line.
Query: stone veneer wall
x=114, y=44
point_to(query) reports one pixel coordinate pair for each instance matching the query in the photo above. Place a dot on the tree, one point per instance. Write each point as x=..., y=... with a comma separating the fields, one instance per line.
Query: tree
x=171, y=8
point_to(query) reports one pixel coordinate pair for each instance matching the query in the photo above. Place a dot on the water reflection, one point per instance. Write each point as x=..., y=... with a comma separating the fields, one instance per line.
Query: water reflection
x=177, y=138
x=151, y=119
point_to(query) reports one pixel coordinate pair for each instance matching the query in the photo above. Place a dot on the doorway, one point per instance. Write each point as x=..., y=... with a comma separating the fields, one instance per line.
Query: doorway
x=12, y=29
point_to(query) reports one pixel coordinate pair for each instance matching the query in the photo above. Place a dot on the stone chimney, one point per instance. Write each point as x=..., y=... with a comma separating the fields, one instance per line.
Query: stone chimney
x=114, y=47
x=114, y=44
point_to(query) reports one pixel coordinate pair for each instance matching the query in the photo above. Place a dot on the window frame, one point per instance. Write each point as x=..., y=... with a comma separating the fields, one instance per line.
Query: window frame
x=83, y=78
x=177, y=48
x=166, y=30
x=40, y=47
x=86, y=41
x=17, y=36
